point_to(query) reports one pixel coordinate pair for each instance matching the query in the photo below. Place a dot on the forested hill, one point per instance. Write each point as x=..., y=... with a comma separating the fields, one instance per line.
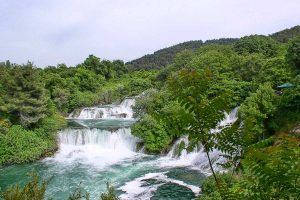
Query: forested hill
x=286, y=34
x=163, y=57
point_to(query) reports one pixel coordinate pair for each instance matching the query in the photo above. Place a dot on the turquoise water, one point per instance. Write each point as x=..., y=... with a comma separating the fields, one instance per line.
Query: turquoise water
x=67, y=179
x=91, y=156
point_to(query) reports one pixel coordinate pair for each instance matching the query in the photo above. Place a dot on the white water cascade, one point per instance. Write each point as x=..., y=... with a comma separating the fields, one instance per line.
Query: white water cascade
x=197, y=159
x=113, y=111
x=98, y=147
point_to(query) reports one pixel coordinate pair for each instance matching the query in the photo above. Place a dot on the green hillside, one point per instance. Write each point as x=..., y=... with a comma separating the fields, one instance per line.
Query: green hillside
x=161, y=58
x=286, y=34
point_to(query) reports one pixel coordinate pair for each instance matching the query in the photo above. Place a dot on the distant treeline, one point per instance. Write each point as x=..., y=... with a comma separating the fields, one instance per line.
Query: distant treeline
x=161, y=58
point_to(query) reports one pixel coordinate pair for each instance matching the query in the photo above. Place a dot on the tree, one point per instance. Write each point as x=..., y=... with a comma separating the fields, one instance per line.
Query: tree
x=87, y=80
x=119, y=67
x=256, y=109
x=274, y=71
x=205, y=113
x=93, y=63
x=25, y=97
x=256, y=44
x=153, y=133
x=182, y=59
x=293, y=53
x=247, y=67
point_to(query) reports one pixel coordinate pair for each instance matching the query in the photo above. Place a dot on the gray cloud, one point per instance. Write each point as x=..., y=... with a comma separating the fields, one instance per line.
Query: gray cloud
x=57, y=31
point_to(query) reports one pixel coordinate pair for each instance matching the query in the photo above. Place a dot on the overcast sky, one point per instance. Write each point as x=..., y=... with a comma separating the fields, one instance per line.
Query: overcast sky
x=48, y=32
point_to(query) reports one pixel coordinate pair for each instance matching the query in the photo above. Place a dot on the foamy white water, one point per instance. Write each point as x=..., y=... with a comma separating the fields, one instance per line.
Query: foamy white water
x=96, y=147
x=197, y=159
x=113, y=111
x=136, y=189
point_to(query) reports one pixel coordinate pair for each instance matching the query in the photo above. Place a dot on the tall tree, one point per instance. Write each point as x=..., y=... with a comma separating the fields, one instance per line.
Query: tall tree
x=206, y=112
x=25, y=98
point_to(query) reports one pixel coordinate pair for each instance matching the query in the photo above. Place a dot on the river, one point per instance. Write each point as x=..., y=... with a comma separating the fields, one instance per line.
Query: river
x=98, y=147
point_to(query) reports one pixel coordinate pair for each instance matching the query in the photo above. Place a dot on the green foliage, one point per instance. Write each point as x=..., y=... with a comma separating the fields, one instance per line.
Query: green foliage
x=33, y=190
x=209, y=187
x=247, y=67
x=51, y=124
x=81, y=99
x=94, y=81
x=19, y=145
x=205, y=113
x=214, y=57
x=164, y=57
x=286, y=34
x=293, y=53
x=110, y=194
x=191, y=89
x=93, y=63
x=256, y=109
x=275, y=71
x=139, y=84
x=256, y=44
x=87, y=80
x=269, y=172
x=163, y=114
x=4, y=125
x=153, y=133
x=274, y=172
x=24, y=97
x=182, y=59
x=151, y=101
x=287, y=114
x=79, y=194
x=175, y=117
x=240, y=90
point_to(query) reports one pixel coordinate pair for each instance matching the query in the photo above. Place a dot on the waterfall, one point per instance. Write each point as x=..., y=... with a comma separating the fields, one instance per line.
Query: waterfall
x=229, y=118
x=113, y=111
x=96, y=147
x=102, y=141
x=113, y=140
x=179, y=156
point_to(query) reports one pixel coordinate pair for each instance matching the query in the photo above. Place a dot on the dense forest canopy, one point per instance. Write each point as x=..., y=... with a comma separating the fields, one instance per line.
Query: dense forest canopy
x=183, y=90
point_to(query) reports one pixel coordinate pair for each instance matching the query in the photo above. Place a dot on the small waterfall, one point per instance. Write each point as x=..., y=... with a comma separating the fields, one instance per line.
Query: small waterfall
x=179, y=147
x=179, y=156
x=95, y=146
x=229, y=118
x=113, y=140
x=114, y=111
